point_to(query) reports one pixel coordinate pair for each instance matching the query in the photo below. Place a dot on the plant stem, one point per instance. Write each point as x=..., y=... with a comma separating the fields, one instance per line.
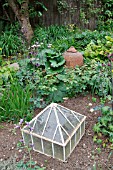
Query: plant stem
x=29, y=149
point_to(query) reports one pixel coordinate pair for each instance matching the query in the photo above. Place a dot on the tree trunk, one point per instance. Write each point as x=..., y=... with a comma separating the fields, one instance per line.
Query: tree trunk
x=22, y=14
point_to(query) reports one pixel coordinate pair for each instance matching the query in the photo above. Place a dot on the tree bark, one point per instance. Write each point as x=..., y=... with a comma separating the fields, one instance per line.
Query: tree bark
x=22, y=14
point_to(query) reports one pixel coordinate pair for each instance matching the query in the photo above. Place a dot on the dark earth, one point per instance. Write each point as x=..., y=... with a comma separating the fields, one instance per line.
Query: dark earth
x=86, y=156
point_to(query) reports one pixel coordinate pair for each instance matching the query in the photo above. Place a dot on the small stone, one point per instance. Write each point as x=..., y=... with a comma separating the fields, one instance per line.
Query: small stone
x=90, y=104
x=65, y=98
x=84, y=146
x=42, y=165
x=19, y=150
x=92, y=110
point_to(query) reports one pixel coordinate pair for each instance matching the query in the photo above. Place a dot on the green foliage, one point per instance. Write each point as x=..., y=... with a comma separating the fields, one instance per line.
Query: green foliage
x=53, y=86
x=15, y=103
x=8, y=164
x=100, y=81
x=62, y=37
x=99, y=49
x=54, y=61
x=10, y=43
x=50, y=34
x=30, y=165
x=46, y=75
x=34, y=9
x=105, y=125
x=83, y=38
x=106, y=19
x=7, y=75
x=93, y=77
x=63, y=43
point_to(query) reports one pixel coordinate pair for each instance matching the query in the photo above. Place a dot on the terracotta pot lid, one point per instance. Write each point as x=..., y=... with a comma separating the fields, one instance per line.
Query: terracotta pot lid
x=72, y=50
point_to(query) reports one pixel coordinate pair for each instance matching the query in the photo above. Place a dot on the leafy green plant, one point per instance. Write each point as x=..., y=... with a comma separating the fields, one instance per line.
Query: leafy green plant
x=26, y=165
x=15, y=103
x=49, y=85
x=94, y=99
x=50, y=34
x=7, y=74
x=99, y=49
x=54, y=61
x=84, y=37
x=10, y=43
x=104, y=124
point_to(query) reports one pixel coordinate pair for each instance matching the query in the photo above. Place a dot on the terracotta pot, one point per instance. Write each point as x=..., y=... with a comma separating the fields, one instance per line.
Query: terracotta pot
x=73, y=58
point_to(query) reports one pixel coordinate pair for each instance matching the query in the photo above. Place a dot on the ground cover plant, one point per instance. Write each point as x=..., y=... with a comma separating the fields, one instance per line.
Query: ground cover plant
x=42, y=77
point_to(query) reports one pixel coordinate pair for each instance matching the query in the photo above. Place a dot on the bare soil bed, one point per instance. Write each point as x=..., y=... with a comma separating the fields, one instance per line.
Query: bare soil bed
x=85, y=156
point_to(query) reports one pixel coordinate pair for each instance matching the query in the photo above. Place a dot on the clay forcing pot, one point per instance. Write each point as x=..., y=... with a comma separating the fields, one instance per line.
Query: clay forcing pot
x=73, y=58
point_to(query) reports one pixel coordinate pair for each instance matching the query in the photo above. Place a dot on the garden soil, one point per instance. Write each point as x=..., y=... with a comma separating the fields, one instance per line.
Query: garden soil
x=86, y=156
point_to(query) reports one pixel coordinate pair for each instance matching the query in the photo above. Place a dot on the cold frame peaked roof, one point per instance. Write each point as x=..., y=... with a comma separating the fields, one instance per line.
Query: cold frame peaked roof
x=56, y=123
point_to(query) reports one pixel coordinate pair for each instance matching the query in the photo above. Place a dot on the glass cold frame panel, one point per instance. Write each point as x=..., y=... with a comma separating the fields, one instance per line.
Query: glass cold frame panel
x=65, y=123
x=77, y=135
x=58, y=152
x=80, y=117
x=57, y=137
x=67, y=149
x=65, y=136
x=27, y=138
x=50, y=126
x=71, y=116
x=73, y=142
x=47, y=147
x=37, y=143
x=82, y=128
x=40, y=122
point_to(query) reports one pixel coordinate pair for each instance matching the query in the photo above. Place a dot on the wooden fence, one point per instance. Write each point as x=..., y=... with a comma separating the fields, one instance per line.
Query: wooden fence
x=70, y=14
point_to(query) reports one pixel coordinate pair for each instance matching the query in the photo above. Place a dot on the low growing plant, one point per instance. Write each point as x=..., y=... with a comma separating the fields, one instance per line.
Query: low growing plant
x=105, y=125
x=99, y=49
x=15, y=103
x=7, y=75
x=54, y=61
x=10, y=43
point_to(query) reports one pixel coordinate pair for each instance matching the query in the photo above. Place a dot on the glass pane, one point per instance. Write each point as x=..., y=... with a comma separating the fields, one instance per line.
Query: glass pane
x=66, y=125
x=77, y=135
x=80, y=117
x=27, y=138
x=82, y=128
x=41, y=120
x=65, y=136
x=70, y=116
x=57, y=137
x=72, y=142
x=37, y=143
x=67, y=149
x=47, y=147
x=58, y=152
x=51, y=126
